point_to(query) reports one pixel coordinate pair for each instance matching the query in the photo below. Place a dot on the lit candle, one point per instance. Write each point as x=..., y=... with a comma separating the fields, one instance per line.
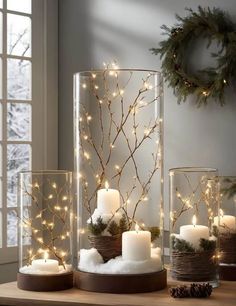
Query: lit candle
x=45, y=265
x=226, y=223
x=108, y=200
x=136, y=245
x=193, y=233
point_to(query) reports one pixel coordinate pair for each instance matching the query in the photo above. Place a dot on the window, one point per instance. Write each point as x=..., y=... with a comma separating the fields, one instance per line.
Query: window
x=23, y=107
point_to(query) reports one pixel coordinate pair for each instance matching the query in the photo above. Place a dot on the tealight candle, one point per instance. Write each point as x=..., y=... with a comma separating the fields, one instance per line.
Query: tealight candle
x=45, y=265
x=193, y=233
x=108, y=200
x=136, y=245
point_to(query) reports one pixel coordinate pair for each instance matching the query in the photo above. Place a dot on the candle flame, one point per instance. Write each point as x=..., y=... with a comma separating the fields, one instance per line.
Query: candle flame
x=106, y=185
x=194, y=220
x=221, y=213
x=137, y=227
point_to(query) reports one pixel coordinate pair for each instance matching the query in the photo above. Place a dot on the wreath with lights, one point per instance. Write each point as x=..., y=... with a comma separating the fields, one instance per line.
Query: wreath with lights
x=211, y=24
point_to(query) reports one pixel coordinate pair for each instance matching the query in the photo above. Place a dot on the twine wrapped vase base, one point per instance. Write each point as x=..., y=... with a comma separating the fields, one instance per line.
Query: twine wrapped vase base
x=194, y=267
x=228, y=248
x=108, y=246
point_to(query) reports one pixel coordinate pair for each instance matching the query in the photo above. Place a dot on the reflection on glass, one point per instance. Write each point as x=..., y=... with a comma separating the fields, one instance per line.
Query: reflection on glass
x=19, y=121
x=18, y=79
x=18, y=159
x=0, y=78
x=18, y=35
x=1, y=3
x=1, y=160
x=23, y=6
x=0, y=194
x=11, y=228
x=0, y=121
x=0, y=231
x=1, y=32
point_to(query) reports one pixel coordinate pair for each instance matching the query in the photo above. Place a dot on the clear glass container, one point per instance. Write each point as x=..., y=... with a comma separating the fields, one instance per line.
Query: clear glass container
x=118, y=158
x=194, y=203
x=226, y=225
x=45, y=219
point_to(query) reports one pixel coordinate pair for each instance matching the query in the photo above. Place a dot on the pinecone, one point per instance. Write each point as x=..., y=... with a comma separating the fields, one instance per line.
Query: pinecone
x=194, y=290
x=179, y=292
x=200, y=290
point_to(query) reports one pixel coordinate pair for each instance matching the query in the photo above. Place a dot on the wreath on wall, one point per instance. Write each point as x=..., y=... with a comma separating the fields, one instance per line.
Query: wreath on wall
x=211, y=82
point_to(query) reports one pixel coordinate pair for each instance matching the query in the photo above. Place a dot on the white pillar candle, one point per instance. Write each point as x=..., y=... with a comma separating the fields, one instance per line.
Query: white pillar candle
x=108, y=200
x=136, y=245
x=45, y=265
x=193, y=233
x=226, y=223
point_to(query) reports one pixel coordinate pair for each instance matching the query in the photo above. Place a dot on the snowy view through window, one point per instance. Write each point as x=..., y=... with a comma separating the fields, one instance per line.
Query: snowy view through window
x=17, y=107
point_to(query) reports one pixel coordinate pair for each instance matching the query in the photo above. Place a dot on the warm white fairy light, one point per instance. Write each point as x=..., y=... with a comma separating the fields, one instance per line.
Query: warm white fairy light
x=89, y=117
x=40, y=240
x=117, y=167
x=57, y=207
x=36, y=185
x=114, y=94
x=85, y=137
x=84, y=85
x=122, y=92
x=86, y=155
x=50, y=196
x=64, y=198
x=100, y=101
x=54, y=185
x=96, y=87
x=112, y=146
x=66, y=208
x=94, y=75
x=80, y=119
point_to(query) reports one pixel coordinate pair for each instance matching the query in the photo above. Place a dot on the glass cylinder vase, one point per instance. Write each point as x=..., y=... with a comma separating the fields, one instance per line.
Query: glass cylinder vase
x=118, y=158
x=45, y=231
x=194, y=203
x=226, y=228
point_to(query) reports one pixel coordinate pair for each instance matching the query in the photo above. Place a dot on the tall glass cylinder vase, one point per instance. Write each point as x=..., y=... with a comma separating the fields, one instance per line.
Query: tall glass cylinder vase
x=226, y=227
x=118, y=158
x=45, y=232
x=194, y=205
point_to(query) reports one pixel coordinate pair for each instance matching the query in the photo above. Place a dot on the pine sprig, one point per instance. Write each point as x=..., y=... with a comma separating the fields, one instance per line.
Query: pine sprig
x=96, y=228
x=212, y=24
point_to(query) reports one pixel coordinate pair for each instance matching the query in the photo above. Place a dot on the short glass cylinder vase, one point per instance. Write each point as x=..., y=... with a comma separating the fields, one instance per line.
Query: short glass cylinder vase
x=118, y=158
x=226, y=228
x=194, y=203
x=45, y=230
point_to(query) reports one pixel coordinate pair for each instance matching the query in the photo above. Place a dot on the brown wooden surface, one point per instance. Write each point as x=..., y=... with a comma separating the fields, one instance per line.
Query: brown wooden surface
x=121, y=283
x=225, y=295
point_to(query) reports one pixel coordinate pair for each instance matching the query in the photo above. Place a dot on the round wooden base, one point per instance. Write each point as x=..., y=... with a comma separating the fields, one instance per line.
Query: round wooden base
x=55, y=282
x=120, y=283
x=227, y=272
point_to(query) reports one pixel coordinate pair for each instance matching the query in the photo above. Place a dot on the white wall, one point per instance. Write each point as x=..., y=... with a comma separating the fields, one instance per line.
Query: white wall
x=94, y=31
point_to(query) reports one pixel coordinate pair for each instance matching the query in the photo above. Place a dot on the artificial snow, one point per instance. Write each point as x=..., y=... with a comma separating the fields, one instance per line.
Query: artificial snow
x=91, y=261
x=30, y=270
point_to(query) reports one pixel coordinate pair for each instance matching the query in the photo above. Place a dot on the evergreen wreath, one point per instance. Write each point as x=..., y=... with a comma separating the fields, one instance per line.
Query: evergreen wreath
x=212, y=24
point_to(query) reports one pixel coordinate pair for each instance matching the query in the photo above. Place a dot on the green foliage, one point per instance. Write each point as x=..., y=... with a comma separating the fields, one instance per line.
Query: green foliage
x=97, y=228
x=124, y=226
x=181, y=245
x=215, y=231
x=113, y=228
x=230, y=190
x=212, y=24
x=207, y=245
x=155, y=232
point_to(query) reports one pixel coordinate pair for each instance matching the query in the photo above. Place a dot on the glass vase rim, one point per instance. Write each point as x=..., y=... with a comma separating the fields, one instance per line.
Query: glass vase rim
x=84, y=72
x=45, y=172
x=192, y=169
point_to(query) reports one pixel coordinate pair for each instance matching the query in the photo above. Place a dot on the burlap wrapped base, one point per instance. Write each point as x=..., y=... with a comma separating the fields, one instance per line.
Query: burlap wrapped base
x=227, y=248
x=108, y=246
x=195, y=267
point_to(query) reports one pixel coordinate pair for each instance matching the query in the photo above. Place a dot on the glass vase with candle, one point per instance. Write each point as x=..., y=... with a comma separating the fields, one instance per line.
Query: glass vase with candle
x=225, y=227
x=118, y=158
x=194, y=201
x=45, y=230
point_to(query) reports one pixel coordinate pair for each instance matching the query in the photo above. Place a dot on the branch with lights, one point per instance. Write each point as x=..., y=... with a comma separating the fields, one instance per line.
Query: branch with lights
x=211, y=24
x=46, y=227
x=99, y=159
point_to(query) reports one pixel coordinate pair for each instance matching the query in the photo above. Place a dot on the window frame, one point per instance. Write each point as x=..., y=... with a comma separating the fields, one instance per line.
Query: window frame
x=44, y=99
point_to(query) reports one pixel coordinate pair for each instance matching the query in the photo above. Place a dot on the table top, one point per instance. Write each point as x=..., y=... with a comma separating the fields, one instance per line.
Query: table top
x=10, y=295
